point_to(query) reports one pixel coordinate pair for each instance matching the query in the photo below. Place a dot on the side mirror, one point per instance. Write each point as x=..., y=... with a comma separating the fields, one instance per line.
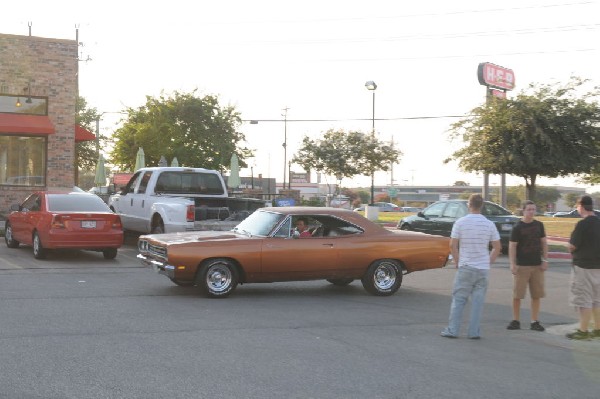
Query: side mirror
x=295, y=234
x=420, y=214
x=15, y=208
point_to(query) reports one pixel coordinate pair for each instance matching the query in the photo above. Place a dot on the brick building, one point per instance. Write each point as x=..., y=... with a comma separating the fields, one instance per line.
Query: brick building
x=38, y=92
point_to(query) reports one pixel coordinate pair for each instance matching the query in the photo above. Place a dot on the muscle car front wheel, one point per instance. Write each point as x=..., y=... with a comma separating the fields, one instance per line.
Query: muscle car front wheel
x=383, y=277
x=217, y=278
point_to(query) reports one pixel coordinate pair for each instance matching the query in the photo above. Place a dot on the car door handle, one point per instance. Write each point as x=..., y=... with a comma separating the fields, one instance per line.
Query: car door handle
x=327, y=245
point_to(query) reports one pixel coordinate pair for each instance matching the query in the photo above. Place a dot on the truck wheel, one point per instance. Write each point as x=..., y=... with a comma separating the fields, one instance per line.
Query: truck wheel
x=158, y=227
x=383, y=277
x=39, y=252
x=8, y=237
x=217, y=278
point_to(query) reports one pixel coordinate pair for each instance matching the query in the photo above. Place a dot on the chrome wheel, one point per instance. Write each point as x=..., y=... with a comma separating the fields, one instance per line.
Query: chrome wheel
x=8, y=237
x=218, y=277
x=383, y=277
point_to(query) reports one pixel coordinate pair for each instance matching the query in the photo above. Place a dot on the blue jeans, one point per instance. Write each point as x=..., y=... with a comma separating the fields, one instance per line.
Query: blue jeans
x=469, y=282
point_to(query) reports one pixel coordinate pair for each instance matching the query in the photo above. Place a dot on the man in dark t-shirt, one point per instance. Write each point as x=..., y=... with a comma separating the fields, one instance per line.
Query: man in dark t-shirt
x=528, y=251
x=585, y=274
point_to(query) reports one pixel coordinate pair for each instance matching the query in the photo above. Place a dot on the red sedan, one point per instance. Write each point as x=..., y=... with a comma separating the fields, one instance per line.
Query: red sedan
x=53, y=220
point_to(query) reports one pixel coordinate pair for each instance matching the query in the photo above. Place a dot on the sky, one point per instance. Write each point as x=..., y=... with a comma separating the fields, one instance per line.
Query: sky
x=314, y=57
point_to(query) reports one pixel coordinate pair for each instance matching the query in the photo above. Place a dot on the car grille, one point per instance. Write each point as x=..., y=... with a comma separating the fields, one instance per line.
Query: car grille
x=157, y=250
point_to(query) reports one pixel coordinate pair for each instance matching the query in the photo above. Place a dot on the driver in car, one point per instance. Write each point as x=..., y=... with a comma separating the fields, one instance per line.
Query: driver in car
x=302, y=228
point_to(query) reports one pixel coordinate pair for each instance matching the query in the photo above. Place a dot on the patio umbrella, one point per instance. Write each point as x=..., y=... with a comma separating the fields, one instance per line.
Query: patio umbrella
x=140, y=159
x=234, y=175
x=174, y=162
x=100, y=179
x=162, y=161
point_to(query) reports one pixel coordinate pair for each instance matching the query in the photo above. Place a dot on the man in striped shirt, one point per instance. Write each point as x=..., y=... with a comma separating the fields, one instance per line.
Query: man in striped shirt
x=469, y=244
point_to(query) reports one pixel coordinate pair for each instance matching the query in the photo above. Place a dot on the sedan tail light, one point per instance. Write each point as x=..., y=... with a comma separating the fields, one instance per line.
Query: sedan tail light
x=57, y=222
x=117, y=223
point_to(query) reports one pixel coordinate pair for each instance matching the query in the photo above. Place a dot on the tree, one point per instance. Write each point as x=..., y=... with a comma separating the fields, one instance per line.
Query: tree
x=571, y=199
x=551, y=132
x=460, y=183
x=345, y=154
x=85, y=117
x=198, y=131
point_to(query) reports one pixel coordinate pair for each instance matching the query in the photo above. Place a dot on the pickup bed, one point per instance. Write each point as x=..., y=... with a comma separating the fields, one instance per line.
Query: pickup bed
x=173, y=199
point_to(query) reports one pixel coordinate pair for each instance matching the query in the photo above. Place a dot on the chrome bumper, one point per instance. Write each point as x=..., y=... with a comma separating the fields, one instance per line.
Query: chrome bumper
x=159, y=267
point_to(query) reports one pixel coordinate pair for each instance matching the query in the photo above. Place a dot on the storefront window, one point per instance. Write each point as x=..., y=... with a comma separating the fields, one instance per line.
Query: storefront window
x=22, y=160
x=23, y=104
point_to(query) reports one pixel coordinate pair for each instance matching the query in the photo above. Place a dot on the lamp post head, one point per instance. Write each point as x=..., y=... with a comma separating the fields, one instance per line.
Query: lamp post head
x=370, y=85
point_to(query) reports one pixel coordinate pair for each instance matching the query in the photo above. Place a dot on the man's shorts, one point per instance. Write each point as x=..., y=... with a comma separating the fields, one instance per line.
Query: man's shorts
x=585, y=287
x=532, y=276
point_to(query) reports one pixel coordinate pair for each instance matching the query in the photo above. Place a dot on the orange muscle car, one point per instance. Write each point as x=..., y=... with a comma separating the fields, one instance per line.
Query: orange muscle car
x=265, y=247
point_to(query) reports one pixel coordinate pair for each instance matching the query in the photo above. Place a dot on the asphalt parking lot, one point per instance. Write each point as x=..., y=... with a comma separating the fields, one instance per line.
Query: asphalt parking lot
x=79, y=326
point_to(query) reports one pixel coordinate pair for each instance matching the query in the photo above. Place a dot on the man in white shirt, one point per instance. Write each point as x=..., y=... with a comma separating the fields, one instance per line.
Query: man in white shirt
x=469, y=244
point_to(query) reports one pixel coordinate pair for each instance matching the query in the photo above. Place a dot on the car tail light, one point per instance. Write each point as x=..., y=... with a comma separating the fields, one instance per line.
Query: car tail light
x=191, y=213
x=117, y=223
x=57, y=222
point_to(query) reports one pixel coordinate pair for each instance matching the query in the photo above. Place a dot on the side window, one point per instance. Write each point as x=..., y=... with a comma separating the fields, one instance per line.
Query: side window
x=32, y=203
x=453, y=210
x=285, y=229
x=435, y=210
x=144, y=183
x=132, y=183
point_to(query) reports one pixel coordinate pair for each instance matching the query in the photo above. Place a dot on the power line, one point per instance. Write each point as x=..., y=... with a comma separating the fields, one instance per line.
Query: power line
x=256, y=121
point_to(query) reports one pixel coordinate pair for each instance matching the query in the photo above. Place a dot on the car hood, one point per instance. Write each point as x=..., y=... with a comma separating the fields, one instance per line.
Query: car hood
x=195, y=236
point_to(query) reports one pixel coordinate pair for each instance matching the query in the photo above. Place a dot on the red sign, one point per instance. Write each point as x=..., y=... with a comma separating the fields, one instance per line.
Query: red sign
x=495, y=76
x=498, y=93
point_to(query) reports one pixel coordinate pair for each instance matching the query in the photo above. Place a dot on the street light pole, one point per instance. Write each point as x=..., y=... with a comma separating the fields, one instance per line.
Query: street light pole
x=285, y=110
x=372, y=86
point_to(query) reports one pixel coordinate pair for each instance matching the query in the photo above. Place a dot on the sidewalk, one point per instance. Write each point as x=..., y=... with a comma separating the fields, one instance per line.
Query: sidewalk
x=562, y=241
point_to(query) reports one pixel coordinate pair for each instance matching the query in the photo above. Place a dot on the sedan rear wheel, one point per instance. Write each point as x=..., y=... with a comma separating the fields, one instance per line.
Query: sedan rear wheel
x=109, y=253
x=8, y=237
x=383, y=277
x=39, y=252
x=217, y=278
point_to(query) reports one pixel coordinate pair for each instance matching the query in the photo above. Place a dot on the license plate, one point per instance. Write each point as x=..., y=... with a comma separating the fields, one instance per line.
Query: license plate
x=506, y=227
x=88, y=224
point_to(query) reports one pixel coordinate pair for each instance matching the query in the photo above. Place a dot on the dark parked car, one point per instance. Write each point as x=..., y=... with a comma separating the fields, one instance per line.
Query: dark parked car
x=572, y=214
x=439, y=217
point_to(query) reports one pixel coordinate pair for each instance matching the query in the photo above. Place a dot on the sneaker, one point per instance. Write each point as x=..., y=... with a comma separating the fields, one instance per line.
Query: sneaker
x=579, y=335
x=447, y=334
x=536, y=326
x=514, y=325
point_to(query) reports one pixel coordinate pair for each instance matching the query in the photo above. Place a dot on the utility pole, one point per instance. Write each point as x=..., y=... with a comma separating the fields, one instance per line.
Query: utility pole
x=285, y=110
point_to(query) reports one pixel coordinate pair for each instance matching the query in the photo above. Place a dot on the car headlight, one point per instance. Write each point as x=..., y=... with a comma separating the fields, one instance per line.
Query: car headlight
x=143, y=245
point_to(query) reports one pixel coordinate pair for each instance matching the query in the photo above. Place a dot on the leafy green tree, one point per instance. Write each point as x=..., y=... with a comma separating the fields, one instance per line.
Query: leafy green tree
x=85, y=117
x=554, y=131
x=198, y=131
x=346, y=154
x=571, y=199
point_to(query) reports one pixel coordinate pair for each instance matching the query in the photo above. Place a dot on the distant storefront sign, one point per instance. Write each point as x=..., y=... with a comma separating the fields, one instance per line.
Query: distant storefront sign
x=495, y=76
x=296, y=177
x=285, y=202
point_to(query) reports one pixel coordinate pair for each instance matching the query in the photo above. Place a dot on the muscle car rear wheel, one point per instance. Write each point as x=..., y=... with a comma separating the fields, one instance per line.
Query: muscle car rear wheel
x=383, y=277
x=340, y=282
x=217, y=278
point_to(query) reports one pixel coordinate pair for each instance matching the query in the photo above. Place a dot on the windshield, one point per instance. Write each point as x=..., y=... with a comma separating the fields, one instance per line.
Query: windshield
x=260, y=223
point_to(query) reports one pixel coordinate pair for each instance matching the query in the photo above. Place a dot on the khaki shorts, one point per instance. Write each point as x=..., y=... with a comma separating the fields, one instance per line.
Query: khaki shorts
x=532, y=276
x=585, y=288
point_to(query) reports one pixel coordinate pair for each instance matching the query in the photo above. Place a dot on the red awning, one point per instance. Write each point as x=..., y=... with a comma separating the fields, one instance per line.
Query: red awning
x=27, y=124
x=82, y=134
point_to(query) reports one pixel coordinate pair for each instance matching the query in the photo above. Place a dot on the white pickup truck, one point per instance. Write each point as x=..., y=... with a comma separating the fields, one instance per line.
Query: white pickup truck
x=173, y=199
